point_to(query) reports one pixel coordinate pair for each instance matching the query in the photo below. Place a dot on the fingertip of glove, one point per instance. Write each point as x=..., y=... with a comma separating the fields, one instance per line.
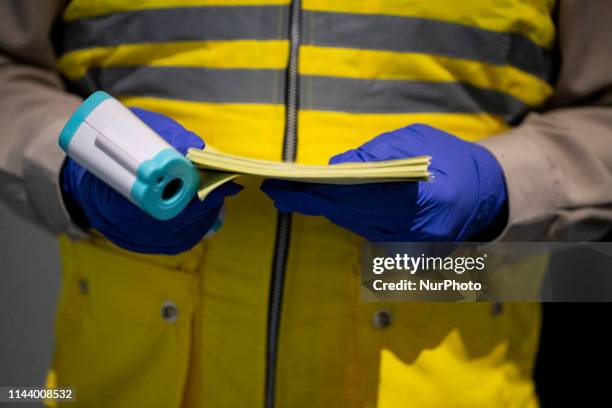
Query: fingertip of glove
x=420, y=127
x=282, y=206
x=272, y=186
x=184, y=140
x=190, y=140
x=148, y=116
x=230, y=189
x=170, y=130
x=344, y=157
x=217, y=196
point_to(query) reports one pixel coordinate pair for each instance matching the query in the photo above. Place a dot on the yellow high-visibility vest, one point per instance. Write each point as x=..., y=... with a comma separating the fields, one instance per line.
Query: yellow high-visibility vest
x=265, y=315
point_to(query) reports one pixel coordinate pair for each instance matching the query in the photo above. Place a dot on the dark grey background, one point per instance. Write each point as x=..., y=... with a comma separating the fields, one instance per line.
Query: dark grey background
x=29, y=286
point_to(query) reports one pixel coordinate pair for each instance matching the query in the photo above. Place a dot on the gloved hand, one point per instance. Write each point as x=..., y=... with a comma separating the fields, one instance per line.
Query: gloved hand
x=466, y=196
x=126, y=225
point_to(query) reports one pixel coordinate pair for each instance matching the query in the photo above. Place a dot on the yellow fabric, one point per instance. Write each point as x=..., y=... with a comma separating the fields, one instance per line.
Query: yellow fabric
x=115, y=347
x=530, y=18
x=352, y=129
x=105, y=349
x=242, y=129
x=499, y=381
x=91, y=8
x=250, y=54
x=322, y=61
x=376, y=64
x=50, y=383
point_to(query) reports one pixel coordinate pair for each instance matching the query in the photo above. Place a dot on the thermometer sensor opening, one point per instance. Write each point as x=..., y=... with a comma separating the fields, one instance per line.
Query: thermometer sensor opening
x=172, y=189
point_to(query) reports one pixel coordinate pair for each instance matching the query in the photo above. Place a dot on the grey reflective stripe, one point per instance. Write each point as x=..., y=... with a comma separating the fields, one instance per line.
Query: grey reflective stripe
x=193, y=84
x=316, y=93
x=346, y=30
x=409, y=34
x=387, y=96
x=177, y=24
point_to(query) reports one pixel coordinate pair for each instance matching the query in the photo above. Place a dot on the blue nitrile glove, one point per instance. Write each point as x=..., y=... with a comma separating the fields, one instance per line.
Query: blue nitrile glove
x=466, y=196
x=97, y=205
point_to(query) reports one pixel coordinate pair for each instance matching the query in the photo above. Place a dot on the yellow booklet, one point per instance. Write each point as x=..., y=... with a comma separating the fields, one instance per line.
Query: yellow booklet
x=219, y=168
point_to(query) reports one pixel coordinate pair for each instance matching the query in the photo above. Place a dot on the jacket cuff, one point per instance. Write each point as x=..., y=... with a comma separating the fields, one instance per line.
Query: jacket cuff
x=42, y=163
x=532, y=182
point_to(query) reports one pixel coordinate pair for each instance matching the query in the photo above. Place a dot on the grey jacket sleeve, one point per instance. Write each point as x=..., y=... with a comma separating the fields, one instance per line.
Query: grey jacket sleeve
x=33, y=110
x=558, y=164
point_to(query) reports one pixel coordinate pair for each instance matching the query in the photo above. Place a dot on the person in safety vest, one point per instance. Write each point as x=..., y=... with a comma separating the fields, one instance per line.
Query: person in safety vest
x=512, y=99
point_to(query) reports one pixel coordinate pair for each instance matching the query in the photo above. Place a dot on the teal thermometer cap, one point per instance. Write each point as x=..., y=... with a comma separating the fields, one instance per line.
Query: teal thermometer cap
x=165, y=184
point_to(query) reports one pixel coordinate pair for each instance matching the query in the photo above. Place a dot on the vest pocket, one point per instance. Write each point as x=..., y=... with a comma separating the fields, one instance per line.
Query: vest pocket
x=124, y=329
x=447, y=376
x=443, y=354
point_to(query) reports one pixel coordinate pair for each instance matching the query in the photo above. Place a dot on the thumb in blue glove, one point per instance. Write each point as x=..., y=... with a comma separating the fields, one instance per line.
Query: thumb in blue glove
x=99, y=206
x=465, y=200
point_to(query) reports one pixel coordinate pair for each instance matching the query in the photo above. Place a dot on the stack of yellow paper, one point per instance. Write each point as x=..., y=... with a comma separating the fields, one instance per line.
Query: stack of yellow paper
x=221, y=168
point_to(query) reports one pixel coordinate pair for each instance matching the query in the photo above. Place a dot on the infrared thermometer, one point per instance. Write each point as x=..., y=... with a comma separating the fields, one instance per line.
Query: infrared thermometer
x=107, y=139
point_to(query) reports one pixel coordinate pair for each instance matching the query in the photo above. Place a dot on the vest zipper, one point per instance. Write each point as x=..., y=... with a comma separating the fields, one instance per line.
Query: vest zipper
x=283, y=223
